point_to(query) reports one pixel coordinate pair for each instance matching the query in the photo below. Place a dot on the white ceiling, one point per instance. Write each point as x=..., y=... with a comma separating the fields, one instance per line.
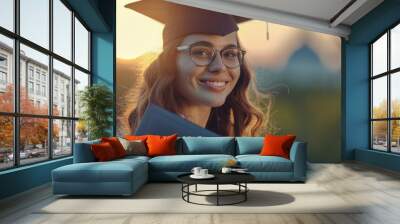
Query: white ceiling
x=314, y=15
x=320, y=9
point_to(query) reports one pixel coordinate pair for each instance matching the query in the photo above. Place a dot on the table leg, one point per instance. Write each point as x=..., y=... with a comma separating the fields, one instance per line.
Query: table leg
x=188, y=189
x=245, y=193
x=182, y=188
x=217, y=194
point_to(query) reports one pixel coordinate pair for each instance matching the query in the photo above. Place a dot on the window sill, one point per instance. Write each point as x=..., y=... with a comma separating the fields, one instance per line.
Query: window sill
x=26, y=167
x=382, y=159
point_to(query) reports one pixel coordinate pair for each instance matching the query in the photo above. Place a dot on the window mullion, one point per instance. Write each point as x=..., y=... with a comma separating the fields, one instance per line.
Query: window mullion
x=371, y=89
x=389, y=112
x=16, y=84
x=50, y=79
x=73, y=82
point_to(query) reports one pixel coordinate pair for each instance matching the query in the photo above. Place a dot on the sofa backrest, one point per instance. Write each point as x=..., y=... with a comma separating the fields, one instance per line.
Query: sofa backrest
x=83, y=152
x=249, y=145
x=208, y=145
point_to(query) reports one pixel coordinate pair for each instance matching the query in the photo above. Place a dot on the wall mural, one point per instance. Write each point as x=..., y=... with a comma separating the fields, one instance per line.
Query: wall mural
x=187, y=75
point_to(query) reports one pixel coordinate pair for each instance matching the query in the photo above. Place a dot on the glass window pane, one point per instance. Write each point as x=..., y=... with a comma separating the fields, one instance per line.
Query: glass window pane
x=35, y=21
x=81, y=81
x=379, y=55
x=6, y=74
x=81, y=131
x=34, y=96
x=379, y=97
x=379, y=135
x=7, y=14
x=395, y=47
x=62, y=89
x=395, y=94
x=81, y=45
x=62, y=29
x=395, y=136
x=33, y=139
x=62, y=138
x=6, y=142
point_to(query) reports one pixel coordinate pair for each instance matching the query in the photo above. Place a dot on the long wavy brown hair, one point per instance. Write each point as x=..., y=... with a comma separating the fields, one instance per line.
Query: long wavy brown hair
x=237, y=117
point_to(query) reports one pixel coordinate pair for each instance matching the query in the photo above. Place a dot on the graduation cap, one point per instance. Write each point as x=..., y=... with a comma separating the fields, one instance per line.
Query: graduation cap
x=181, y=20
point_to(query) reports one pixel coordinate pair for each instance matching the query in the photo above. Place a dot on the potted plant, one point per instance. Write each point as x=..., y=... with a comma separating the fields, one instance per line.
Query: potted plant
x=96, y=102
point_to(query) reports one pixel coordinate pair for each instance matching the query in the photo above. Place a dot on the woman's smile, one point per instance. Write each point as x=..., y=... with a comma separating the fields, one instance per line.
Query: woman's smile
x=214, y=85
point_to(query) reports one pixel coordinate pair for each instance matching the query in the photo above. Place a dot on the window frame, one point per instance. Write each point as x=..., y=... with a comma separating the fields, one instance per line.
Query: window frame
x=388, y=74
x=16, y=115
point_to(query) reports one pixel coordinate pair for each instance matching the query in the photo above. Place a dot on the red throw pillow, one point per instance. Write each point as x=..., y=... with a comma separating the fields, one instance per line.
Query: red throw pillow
x=277, y=145
x=103, y=151
x=161, y=145
x=116, y=145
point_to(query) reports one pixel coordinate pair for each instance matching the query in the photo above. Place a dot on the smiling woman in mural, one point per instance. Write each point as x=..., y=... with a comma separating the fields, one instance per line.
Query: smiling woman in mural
x=201, y=74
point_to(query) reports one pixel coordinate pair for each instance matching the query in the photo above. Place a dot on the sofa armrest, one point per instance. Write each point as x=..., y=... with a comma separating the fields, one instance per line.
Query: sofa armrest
x=298, y=155
x=83, y=152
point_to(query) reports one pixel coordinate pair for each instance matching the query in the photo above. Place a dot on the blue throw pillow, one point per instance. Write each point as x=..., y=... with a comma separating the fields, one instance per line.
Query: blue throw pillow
x=249, y=145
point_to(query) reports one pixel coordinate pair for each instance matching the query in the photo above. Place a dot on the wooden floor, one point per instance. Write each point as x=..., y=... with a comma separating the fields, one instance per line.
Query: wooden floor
x=377, y=188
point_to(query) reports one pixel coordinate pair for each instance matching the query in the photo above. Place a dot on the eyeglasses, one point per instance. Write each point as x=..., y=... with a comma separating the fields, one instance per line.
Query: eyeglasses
x=203, y=55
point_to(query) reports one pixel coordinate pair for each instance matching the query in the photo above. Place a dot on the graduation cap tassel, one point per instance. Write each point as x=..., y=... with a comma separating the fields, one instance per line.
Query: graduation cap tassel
x=266, y=23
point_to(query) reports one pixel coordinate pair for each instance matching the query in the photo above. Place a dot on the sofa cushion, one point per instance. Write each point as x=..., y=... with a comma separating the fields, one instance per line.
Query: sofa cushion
x=185, y=163
x=111, y=171
x=208, y=145
x=249, y=145
x=257, y=163
x=133, y=157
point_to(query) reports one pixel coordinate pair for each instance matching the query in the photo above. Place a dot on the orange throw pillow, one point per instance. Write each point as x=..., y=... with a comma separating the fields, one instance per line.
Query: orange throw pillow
x=116, y=145
x=103, y=152
x=161, y=145
x=277, y=145
x=136, y=137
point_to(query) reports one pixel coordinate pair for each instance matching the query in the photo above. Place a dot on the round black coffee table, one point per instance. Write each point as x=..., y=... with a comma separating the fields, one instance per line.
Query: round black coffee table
x=238, y=179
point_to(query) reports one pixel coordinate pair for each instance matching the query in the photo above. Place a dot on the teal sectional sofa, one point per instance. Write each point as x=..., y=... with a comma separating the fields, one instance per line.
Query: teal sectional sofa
x=125, y=176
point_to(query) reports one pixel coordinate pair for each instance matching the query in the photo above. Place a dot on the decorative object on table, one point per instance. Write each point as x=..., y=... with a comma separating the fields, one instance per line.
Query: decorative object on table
x=196, y=170
x=231, y=163
x=202, y=176
x=226, y=170
x=239, y=170
x=96, y=102
x=236, y=170
x=200, y=173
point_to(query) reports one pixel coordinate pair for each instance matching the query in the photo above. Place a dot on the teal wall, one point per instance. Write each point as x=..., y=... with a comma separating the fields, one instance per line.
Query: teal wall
x=24, y=178
x=355, y=94
x=99, y=15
